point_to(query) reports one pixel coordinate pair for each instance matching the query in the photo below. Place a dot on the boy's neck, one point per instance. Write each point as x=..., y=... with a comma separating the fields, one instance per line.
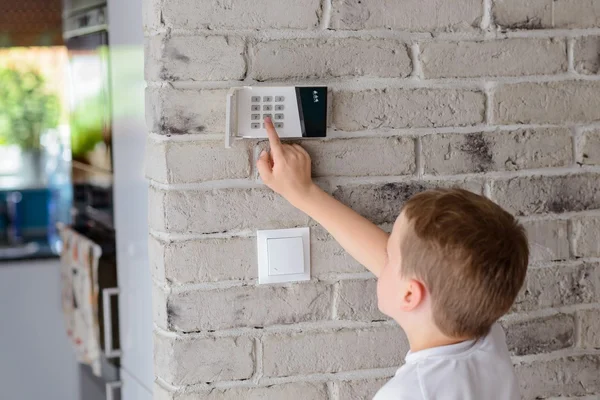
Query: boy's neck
x=423, y=339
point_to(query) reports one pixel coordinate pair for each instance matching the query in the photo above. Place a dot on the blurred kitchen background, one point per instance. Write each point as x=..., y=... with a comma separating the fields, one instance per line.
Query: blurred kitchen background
x=75, y=289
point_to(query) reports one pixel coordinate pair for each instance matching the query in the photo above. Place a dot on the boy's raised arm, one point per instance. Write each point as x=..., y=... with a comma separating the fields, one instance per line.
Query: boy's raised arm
x=286, y=170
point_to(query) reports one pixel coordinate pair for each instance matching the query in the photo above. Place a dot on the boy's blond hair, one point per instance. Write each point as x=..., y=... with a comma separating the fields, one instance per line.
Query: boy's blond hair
x=470, y=254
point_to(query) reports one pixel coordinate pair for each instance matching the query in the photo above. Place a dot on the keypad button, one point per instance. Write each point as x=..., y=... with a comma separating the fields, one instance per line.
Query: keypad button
x=255, y=108
x=279, y=99
x=279, y=107
x=256, y=99
x=255, y=125
x=278, y=125
x=268, y=98
x=267, y=108
x=255, y=117
x=267, y=115
x=278, y=116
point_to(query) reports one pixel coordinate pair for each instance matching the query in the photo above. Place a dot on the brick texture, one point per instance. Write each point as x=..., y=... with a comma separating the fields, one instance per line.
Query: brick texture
x=544, y=194
x=189, y=162
x=302, y=353
x=209, y=58
x=557, y=286
x=591, y=148
x=540, y=335
x=587, y=55
x=494, y=58
x=569, y=376
x=248, y=306
x=414, y=15
x=585, y=237
x=445, y=154
x=590, y=328
x=357, y=301
x=182, y=361
x=402, y=108
x=499, y=97
x=193, y=14
x=547, y=103
x=331, y=58
x=548, y=240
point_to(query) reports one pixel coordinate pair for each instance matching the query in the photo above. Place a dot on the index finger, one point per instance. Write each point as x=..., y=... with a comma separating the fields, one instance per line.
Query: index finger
x=274, y=140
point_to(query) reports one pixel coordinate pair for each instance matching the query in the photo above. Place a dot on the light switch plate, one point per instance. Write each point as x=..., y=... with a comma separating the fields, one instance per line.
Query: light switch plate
x=283, y=255
x=296, y=112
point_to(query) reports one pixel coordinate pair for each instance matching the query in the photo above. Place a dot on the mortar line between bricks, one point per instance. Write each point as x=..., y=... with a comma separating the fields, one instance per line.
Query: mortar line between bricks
x=360, y=180
x=548, y=312
x=258, y=353
x=560, y=216
x=578, y=343
x=555, y=355
x=326, y=12
x=402, y=35
x=184, y=237
x=415, y=56
x=330, y=279
x=573, y=262
x=385, y=132
x=342, y=376
x=578, y=137
x=335, y=300
x=315, y=327
x=486, y=18
x=356, y=83
x=419, y=164
x=489, y=90
x=571, y=55
x=572, y=240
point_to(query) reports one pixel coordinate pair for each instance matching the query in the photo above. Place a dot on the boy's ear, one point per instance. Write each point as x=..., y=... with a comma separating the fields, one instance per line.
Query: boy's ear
x=413, y=295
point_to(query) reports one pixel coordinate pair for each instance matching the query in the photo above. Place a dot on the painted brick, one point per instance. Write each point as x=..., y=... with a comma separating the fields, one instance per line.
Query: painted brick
x=151, y=14
x=589, y=322
x=494, y=58
x=305, y=353
x=414, y=15
x=248, y=306
x=568, y=376
x=327, y=58
x=296, y=390
x=523, y=14
x=549, y=102
x=198, y=58
x=381, y=203
x=360, y=390
x=454, y=153
x=576, y=14
x=591, y=148
x=210, y=260
x=543, y=194
x=156, y=257
x=328, y=257
x=403, y=108
x=355, y=157
x=240, y=14
x=159, y=307
x=557, y=286
x=540, y=335
x=186, y=361
x=189, y=162
x=181, y=111
x=221, y=210
x=548, y=240
x=587, y=55
x=358, y=301
x=585, y=234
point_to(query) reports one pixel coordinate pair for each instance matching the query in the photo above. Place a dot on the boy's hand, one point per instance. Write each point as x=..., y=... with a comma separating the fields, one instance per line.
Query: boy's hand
x=286, y=169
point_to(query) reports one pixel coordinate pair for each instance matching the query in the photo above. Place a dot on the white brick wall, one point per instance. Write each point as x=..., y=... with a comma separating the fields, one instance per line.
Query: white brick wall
x=497, y=96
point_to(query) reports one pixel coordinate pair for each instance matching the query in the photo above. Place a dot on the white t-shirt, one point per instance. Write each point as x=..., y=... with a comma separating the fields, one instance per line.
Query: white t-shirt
x=471, y=370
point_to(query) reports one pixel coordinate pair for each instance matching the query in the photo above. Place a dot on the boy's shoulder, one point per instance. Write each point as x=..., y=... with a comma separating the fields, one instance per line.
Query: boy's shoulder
x=464, y=371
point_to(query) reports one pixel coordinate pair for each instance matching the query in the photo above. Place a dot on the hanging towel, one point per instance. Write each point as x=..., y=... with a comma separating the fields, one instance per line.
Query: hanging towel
x=80, y=293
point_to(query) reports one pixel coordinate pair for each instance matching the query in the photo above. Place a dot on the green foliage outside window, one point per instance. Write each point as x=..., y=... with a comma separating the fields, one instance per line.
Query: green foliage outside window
x=27, y=110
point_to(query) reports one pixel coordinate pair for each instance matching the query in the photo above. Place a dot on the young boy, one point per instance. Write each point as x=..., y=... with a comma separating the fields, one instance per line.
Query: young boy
x=452, y=266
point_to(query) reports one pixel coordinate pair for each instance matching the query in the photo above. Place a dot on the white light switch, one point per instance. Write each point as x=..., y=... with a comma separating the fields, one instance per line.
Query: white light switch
x=283, y=255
